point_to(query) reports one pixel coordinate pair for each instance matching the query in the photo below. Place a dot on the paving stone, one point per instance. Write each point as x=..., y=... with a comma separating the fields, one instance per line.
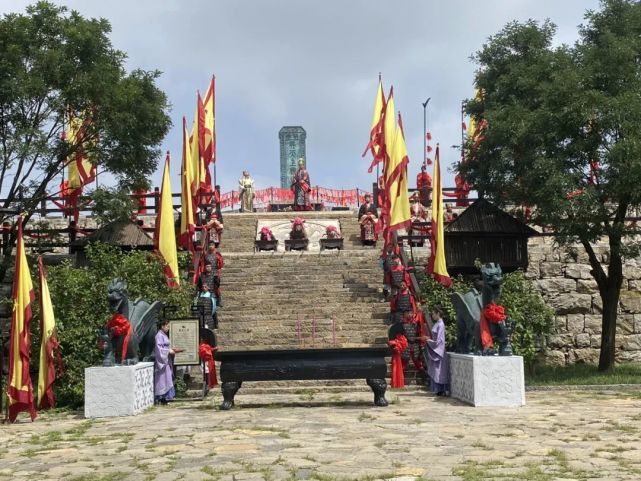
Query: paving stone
x=343, y=439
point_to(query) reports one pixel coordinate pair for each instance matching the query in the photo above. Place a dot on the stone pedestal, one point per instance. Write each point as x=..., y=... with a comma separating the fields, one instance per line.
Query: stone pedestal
x=118, y=390
x=487, y=380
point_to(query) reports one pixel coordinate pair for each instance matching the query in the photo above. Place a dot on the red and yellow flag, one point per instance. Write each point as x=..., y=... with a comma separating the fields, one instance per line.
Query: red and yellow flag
x=396, y=182
x=81, y=171
x=187, y=219
x=437, y=265
x=48, y=344
x=165, y=233
x=375, y=135
x=20, y=390
x=387, y=136
x=210, y=126
x=197, y=150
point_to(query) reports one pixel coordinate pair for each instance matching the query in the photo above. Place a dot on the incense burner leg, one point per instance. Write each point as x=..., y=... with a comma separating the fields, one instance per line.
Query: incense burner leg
x=229, y=391
x=379, y=386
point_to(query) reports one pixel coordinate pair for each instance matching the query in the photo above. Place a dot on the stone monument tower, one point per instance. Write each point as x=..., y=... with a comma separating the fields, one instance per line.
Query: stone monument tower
x=292, y=148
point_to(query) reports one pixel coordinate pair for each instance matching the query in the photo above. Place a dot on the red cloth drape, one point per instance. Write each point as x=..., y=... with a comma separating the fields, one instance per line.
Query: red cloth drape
x=206, y=354
x=399, y=344
x=119, y=326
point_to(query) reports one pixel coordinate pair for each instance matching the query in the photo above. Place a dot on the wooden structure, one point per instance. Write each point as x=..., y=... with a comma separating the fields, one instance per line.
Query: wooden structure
x=485, y=232
x=367, y=363
x=125, y=234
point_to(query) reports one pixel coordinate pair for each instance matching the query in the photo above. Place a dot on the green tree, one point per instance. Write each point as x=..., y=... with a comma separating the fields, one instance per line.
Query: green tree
x=563, y=136
x=54, y=61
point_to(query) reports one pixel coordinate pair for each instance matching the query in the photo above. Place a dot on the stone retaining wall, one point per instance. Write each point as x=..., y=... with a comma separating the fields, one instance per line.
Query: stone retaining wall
x=563, y=276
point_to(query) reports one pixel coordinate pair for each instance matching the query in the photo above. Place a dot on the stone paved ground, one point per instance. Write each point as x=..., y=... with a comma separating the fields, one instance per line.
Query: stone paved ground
x=557, y=436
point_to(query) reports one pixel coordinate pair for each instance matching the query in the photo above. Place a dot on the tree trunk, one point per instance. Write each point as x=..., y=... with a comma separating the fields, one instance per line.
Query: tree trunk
x=610, y=294
x=609, y=324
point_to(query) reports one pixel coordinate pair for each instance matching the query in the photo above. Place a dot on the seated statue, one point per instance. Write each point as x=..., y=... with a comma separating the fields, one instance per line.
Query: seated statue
x=266, y=234
x=298, y=229
x=332, y=232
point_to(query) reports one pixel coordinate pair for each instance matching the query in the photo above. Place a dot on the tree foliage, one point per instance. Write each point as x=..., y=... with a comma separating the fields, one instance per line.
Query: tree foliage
x=112, y=204
x=79, y=298
x=562, y=135
x=53, y=62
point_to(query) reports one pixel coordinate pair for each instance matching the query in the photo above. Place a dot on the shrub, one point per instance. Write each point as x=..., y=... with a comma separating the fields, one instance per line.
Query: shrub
x=532, y=318
x=435, y=294
x=79, y=297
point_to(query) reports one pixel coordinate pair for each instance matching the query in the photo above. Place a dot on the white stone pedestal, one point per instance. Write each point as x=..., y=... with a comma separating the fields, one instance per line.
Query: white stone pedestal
x=487, y=380
x=118, y=390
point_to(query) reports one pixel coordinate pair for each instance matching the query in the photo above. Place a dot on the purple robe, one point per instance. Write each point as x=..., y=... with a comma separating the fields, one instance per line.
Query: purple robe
x=438, y=368
x=163, y=381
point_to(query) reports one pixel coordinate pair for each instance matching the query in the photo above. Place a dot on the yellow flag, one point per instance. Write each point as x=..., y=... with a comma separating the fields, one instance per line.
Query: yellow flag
x=187, y=219
x=20, y=390
x=389, y=131
x=165, y=233
x=396, y=180
x=210, y=124
x=48, y=343
x=81, y=171
x=197, y=150
x=437, y=265
x=471, y=128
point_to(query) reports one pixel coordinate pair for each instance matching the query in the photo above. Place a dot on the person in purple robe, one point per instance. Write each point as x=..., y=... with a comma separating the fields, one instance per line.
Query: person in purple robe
x=438, y=368
x=163, y=372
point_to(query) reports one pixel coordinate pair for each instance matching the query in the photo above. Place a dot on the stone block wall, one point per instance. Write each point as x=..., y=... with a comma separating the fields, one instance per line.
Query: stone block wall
x=564, y=279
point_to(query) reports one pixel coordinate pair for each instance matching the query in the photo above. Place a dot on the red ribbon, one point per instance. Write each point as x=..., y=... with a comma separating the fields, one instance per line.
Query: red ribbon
x=399, y=344
x=206, y=354
x=120, y=326
x=494, y=313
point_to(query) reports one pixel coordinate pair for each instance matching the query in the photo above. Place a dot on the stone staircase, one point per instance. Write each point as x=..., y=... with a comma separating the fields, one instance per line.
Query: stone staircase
x=300, y=299
x=294, y=299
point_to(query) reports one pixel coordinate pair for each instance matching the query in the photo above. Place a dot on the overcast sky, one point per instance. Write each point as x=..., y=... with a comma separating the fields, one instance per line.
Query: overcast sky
x=314, y=64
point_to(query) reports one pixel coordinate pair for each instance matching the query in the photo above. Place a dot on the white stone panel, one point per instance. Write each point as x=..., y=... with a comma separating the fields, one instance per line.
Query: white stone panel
x=118, y=390
x=487, y=380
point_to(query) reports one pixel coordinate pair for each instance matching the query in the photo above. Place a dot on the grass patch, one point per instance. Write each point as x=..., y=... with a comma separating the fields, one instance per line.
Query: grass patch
x=624, y=428
x=584, y=374
x=365, y=417
x=474, y=471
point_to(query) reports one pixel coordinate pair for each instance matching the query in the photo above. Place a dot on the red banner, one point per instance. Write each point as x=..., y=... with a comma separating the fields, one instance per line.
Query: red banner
x=277, y=195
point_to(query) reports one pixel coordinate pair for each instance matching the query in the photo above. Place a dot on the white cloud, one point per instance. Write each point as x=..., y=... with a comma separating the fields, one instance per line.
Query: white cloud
x=315, y=64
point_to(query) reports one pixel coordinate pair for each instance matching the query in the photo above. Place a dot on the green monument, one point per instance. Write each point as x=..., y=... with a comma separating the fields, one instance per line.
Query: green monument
x=292, y=148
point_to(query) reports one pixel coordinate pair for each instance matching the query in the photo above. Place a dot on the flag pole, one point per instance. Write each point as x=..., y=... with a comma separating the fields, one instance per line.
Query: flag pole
x=377, y=163
x=213, y=134
x=424, y=104
x=462, y=131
